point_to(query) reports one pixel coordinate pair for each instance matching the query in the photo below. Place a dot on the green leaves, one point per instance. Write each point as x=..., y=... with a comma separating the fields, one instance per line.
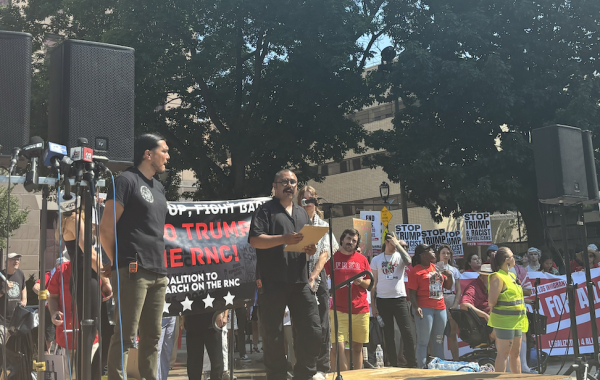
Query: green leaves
x=474, y=81
x=240, y=88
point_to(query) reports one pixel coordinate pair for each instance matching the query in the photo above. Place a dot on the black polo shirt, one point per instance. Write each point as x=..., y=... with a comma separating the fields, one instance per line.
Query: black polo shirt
x=273, y=264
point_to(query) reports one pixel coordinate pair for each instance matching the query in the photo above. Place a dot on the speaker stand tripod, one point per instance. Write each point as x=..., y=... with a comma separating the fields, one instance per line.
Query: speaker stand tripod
x=582, y=364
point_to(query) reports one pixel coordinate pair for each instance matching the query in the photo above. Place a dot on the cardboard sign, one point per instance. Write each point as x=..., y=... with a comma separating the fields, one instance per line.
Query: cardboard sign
x=478, y=228
x=435, y=237
x=411, y=234
x=454, y=239
x=377, y=229
x=364, y=227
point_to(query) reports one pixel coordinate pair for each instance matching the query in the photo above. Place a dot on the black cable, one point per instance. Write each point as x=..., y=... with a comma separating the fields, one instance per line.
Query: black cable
x=74, y=281
x=98, y=271
x=4, y=341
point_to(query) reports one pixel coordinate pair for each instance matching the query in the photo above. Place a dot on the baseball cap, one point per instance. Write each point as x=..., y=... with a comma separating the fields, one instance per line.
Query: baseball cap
x=593, y=247
x=422, y=248
x=492, y=247
x=12, y=255
x=533, y=250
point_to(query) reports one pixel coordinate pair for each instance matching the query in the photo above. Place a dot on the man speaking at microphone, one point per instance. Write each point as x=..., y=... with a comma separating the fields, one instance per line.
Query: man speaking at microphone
x=141, y=209
x=282, y=278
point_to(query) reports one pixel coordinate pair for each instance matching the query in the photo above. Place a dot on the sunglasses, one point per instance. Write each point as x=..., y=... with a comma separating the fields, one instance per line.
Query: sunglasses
x=286, y=182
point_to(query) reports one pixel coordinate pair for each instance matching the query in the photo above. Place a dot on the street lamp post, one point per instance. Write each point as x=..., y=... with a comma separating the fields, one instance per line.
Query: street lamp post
x=384, y=191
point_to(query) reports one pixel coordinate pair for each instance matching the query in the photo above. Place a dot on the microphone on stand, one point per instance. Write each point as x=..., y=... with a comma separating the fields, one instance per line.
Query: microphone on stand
x=80, y=155
x=33, y=151
x=314, y=201
x=13, y=159
x=54, y=153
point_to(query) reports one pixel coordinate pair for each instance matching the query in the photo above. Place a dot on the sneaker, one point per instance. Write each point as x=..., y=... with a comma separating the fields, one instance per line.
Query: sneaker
x=245, y=358
x=256, y=350
x=289, y=375
x=320, y=376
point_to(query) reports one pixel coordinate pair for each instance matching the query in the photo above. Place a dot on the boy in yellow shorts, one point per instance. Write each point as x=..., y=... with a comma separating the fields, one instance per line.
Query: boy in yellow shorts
x=348, y=263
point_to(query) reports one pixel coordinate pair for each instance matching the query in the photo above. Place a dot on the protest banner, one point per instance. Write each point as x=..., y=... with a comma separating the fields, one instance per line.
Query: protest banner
x=435, y=237
x=553, y=305
x=364, y=228
x=376, y=230
x=210, y=264
x=454, y=239
x=411, y=234
x=478, y=228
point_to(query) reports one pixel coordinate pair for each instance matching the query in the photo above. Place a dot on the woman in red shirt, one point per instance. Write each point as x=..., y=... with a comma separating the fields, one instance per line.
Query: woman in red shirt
x=425, y=289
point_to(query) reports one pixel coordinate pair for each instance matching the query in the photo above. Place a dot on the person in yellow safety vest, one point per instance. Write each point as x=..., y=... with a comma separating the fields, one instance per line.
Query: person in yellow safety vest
x=508, y=315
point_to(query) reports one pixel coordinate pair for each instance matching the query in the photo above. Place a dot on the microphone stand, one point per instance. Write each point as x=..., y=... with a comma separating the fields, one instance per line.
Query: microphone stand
x=538, y=336
x=329, y=206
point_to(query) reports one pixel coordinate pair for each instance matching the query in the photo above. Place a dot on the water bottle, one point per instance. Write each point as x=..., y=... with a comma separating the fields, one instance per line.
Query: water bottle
x=379, y=356
x=380, y=321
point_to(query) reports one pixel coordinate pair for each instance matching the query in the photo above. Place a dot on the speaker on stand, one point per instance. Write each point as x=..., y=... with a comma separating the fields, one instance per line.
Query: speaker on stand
x=15, y=91
x=566, y=176
x=92, y=89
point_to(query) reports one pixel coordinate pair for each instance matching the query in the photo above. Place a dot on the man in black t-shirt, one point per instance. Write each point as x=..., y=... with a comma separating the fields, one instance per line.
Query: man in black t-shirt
x=141, y=208
x=15, y=288
x=284, y=278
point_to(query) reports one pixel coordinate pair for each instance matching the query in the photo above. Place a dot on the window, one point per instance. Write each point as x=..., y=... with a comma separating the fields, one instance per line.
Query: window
x=356, y=165
x=343, y=166
x=324, y=170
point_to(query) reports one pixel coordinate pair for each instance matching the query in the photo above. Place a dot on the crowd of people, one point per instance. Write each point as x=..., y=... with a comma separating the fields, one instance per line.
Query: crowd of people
x=409, y=297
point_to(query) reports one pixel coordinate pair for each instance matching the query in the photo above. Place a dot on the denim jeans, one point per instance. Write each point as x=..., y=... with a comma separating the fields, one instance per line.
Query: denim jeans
x=165, y=347
x=430, y=328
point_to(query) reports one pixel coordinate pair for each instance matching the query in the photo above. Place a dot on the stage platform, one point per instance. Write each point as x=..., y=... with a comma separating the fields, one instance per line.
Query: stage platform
x=418, y=374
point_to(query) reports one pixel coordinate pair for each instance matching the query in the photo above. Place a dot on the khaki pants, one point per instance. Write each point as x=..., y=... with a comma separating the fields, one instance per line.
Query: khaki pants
x=142, y=301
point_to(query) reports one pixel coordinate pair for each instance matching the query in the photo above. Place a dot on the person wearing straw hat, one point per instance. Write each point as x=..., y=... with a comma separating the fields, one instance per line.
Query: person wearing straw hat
x=508, y=315
x=593, y=256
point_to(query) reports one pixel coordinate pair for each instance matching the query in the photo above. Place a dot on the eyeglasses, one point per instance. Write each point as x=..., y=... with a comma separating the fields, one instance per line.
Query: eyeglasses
x=15, y=258
x=287, y=181
x=404, y=246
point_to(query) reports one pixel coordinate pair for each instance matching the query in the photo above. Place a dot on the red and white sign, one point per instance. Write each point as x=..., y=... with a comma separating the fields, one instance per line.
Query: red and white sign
x=553, y=304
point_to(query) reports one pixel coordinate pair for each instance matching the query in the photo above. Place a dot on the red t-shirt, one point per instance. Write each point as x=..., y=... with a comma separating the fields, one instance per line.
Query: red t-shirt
x=347, y=266
x=429, y=285
x=476, y=294
x=54, y=287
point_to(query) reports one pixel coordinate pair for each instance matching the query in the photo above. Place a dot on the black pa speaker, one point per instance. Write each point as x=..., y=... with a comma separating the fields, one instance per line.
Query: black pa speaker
x=559, y=164
x=15, y=89
x=92, y=96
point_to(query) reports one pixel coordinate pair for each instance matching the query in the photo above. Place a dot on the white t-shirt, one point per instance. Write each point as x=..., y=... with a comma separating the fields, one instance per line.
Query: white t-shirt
x=390, y=279
x=455, y=275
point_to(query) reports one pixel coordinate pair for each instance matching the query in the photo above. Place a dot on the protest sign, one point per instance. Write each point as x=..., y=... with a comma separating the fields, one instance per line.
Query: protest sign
x=210, y=264
x=478, y=228
x=377, y=229
x=411, y=234
x=364, y=228
x=435, y=238
x=553, y=305
x=454, y=239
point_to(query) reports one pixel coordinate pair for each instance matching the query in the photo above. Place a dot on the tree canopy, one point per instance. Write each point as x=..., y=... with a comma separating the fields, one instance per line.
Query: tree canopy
x=475, y=77
x=240, y=89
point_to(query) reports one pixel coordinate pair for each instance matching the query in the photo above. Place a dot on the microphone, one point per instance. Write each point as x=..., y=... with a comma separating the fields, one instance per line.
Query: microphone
x=80, y=155
x=66, y=167
x=13, y=159
x=314, y=201
x=3, y=278
x=53, y=154
x=33, y=151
